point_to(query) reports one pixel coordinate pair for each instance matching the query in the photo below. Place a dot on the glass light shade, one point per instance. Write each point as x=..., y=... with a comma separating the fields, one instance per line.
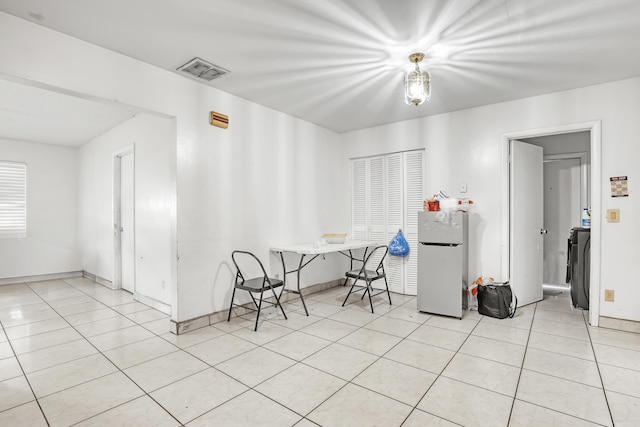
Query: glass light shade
x=417, y=87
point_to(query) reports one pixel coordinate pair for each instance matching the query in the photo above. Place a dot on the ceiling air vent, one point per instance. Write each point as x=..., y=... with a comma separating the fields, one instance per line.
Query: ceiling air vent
x=201, y=69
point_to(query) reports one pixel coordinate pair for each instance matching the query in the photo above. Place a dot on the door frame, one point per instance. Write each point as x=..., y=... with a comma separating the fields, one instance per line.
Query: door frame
x=117, y=214
x=595, y=132
x=583, y=187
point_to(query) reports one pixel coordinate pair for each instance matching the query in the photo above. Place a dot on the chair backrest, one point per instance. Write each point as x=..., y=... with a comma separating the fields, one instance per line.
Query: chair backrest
x=375, y=259
x=249, y=263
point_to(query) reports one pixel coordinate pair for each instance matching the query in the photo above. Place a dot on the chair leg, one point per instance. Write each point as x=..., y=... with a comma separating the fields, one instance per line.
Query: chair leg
x=369, y=292
x=350, y=290
x=278, y=303
x=258, y=314
x=388, y=293
x=254, y=300
x=345, y=281
x=231, y=306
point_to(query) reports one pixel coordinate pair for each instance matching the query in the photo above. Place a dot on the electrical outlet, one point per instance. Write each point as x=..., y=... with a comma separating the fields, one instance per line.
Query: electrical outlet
x=609, y=295
x=277, y=275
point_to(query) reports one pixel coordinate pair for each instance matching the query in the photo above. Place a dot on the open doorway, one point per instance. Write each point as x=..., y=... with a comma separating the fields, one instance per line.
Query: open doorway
x=593, y=193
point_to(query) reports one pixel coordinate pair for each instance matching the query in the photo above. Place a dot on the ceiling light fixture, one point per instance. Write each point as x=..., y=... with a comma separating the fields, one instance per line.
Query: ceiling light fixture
x=417, y=84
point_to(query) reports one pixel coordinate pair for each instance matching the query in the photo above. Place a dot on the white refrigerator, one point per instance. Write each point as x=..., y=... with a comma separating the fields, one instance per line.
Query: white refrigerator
x=443, y=244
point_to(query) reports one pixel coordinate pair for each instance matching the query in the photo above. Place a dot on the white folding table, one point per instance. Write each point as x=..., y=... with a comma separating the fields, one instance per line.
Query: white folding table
x=314, y=251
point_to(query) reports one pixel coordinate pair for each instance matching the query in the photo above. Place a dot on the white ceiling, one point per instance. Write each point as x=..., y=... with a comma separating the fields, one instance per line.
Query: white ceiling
x=40, y=115
x=339, y=63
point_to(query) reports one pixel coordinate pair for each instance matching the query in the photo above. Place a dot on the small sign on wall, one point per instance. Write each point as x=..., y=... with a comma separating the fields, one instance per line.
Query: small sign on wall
x=619, y=186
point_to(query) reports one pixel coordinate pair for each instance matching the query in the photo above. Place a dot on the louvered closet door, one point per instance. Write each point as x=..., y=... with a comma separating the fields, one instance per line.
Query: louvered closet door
x=395, y=201
x=413, y=196
x=368, y=201
x=376, y=205
x=387, y=195
x=359, y=221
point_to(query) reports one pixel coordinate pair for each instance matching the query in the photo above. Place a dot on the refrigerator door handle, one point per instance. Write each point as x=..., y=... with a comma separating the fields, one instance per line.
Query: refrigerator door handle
x=441, y=244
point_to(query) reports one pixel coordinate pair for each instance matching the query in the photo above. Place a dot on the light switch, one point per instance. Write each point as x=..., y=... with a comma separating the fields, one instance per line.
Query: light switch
x=613, y=215
x=463, y=187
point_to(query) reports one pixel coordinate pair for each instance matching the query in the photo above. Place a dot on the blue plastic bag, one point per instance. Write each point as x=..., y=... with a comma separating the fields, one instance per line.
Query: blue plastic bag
x=399, y=245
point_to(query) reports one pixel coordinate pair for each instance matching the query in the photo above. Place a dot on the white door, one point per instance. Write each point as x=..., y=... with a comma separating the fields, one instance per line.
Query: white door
x=526, y=221
x=395, y=193
x=413, y=198
x=127, y=222
x=562, y=211
x=405, y=172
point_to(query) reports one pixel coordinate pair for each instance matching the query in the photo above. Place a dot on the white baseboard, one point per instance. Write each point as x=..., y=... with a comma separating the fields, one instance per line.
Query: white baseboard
x=99, y=280
x=619, y=324
x=158, y=305
x=40, y=278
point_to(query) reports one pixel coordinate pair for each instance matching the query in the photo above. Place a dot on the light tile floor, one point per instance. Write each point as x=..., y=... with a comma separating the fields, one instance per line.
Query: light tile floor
x=75, y=353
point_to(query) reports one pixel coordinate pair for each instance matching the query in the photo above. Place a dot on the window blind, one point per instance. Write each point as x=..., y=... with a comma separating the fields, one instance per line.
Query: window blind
x=13, y=200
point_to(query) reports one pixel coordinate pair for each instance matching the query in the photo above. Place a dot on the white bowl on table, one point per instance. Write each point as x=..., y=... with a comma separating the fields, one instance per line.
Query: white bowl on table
x=335, y=238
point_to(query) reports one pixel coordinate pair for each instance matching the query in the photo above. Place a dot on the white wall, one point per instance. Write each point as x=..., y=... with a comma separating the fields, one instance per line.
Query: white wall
x=465, y=146
x=153, y=139
x=51, y=244
x=269, y=178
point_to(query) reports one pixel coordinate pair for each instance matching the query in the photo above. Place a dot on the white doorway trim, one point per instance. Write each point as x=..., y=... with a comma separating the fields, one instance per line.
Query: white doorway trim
x=117, y=214
x=595, y=129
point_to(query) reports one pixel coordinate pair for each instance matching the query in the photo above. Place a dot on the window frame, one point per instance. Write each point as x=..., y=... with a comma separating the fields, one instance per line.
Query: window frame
x=13, y=199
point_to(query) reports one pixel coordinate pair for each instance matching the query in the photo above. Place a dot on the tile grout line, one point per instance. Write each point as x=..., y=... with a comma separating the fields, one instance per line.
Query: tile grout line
x=547, y=374
x=604, y=391
x=297, y=362
x=355, y=376
x=121, y=370
x=358, y=328
x=414, y=407
x=24, y=374
x=267, y=349
x=440, y=374
x=524, y=356
x=301, y=362
x=26, y=379
x=99, y=352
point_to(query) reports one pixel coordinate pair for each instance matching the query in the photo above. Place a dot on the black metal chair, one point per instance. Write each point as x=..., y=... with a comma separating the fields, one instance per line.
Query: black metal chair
x=369, y=275
x=258, y=284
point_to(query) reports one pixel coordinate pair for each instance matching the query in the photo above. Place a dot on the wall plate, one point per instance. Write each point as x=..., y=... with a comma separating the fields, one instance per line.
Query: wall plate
x=613, y=215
